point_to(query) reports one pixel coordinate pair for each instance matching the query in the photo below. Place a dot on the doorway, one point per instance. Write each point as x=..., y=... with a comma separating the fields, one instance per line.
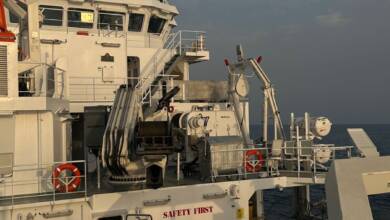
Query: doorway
x=133, y=71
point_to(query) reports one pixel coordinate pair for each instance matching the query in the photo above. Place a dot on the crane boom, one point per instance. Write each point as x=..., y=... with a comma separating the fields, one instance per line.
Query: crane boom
x=238, y=69
x=269, y=95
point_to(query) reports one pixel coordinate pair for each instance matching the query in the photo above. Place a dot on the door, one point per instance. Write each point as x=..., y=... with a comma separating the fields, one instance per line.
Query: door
x=133, y=70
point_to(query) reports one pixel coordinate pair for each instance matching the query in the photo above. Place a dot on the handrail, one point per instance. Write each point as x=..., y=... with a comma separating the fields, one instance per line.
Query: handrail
x=43, y=90
x=173, y=46
x=25, y=175
x=238, y=159
x=91, y=88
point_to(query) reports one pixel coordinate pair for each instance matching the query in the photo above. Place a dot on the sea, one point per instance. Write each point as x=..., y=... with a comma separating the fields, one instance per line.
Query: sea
x=278, y=204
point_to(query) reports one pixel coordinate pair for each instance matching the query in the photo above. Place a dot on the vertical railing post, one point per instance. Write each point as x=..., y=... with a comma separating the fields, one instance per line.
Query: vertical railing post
x=180, y=43
x=85, y=179
x=172, y=85
x=45, y=78
x=98, y=172
x=314, y=164
x=245, y=175
x=12, y=191
x=178, y=168
x=298, y=151
x=55, y=179
x=150, y=96
x=349, y=153
x=267, y=161
x=62, y=85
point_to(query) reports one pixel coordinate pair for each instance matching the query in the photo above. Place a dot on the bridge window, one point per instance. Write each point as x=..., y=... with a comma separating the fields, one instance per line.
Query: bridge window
x=136, y=22
x=80, y=18
x=110, y=20
x=52, y=15
x=156, y=25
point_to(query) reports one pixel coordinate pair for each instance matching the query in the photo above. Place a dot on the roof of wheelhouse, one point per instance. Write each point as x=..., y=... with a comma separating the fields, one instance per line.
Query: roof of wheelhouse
x=160, y=4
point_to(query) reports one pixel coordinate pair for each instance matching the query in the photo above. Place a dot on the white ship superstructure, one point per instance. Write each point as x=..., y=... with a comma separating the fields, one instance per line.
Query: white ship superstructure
x=99, y=120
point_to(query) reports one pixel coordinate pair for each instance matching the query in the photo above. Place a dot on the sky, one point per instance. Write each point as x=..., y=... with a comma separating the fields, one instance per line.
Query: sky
x=326, y=57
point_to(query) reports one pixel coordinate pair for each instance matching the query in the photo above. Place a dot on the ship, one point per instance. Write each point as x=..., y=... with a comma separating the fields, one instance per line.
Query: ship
x=100, y=120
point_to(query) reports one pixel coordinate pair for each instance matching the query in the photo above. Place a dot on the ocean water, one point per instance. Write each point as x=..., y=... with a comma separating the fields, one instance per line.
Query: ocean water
x=278, y=204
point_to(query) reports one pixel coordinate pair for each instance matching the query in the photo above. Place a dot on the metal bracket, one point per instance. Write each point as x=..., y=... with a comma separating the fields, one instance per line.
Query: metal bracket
x=53, y=41
x=105, y=44
x=215, y=195
x=62, y=213
x=157, y=202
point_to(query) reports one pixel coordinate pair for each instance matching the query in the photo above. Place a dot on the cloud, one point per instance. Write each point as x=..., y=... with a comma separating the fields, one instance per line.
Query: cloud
x=334, y=19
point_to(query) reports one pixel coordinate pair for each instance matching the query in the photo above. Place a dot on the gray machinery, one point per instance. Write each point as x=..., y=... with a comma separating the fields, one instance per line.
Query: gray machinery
x=138, y=148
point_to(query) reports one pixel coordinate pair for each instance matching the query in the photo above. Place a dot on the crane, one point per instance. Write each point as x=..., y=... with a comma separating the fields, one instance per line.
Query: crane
x=238, y=69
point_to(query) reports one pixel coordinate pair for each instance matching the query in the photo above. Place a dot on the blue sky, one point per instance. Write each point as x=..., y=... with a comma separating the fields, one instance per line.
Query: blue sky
x=327, y=57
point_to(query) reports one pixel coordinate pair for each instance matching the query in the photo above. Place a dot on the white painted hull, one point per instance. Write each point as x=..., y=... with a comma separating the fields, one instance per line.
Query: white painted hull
x=215, y=201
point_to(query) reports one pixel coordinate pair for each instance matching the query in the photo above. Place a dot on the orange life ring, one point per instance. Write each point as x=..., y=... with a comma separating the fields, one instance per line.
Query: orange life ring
x=171, y=109
x=254, y=161
x=71, y=183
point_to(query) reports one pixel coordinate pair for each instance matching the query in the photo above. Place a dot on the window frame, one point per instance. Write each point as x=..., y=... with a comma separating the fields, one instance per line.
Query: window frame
x=42, y=8
x=111, y=13
x=80, y=10
x=162, y=26
x=142, y=23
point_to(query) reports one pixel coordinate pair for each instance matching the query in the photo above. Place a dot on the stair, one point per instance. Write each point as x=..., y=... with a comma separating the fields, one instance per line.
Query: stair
x=169, y=67
x=150, y=106
x=120, y=130
x=178, y=46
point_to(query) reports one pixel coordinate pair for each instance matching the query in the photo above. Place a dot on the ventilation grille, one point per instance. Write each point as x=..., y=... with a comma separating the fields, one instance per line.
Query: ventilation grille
x=3, y=71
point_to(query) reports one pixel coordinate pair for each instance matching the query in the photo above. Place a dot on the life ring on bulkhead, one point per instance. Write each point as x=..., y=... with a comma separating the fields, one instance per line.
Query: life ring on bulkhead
x=254, y=161
x=66, y=183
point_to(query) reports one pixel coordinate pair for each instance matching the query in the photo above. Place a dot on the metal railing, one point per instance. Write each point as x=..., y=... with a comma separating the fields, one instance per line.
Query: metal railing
x=102, y=88
x=177, y=44
x=93, y=88
x=190, y=41
x=42, y=80
x=267, y=165
x=34, y=182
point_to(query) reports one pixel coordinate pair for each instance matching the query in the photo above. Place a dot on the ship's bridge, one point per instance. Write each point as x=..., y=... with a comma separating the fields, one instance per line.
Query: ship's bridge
x=93, y=47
